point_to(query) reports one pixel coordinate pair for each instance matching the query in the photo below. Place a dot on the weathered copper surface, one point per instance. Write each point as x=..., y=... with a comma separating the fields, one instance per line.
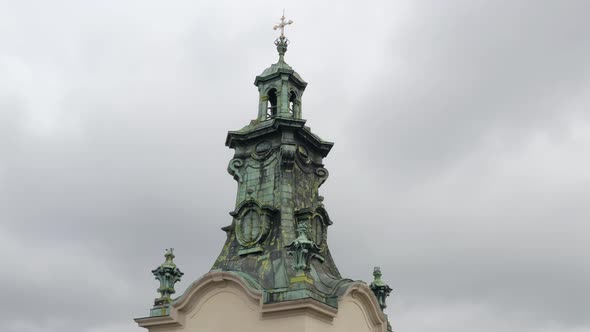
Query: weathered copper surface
x=278, y=234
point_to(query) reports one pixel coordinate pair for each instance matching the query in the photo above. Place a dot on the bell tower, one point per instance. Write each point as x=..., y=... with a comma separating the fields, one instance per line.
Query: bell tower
x=278, y=233
x=280, y=88
x=275, y=259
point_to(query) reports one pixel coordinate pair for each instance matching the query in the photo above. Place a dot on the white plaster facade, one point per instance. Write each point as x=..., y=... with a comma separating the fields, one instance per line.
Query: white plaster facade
x=222, y=302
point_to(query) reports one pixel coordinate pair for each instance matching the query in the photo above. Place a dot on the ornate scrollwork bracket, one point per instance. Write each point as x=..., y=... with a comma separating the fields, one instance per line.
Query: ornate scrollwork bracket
x=233, y=166
x=288, y=156
x=323, y=174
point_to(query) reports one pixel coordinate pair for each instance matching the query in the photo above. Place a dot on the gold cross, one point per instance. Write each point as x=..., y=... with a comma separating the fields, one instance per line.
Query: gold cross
x=282, y=24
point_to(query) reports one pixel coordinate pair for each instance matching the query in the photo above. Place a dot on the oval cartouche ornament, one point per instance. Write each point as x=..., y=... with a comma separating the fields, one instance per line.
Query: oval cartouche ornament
x=303, y=154
x=318, y=230
x=262, y=147
x=250, y=228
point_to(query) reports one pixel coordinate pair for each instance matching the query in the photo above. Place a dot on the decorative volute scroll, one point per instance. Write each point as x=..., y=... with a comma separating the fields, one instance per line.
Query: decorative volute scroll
x=304, y=159
x=252, y=221
x=323, y=174
x=233, y=168
x=288, y=156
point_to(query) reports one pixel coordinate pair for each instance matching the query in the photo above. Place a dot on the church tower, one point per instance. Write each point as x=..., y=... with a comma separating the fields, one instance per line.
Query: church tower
x=275, y=271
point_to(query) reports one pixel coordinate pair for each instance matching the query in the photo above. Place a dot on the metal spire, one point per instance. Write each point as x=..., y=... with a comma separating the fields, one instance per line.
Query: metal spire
x=282, y=25
x=282, y=41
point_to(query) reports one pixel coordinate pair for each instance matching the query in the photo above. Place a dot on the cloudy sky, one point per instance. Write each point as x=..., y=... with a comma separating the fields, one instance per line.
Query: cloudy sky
x=461, y=163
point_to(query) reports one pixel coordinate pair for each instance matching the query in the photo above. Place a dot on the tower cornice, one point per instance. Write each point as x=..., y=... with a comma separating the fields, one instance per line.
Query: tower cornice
x=258, y=129
x=276, y=70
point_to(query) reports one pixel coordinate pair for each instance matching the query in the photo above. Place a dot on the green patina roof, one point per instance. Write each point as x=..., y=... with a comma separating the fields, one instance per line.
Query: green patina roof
x=281, y=67
x=278, y=233
x=277, y=240
x=276, y=69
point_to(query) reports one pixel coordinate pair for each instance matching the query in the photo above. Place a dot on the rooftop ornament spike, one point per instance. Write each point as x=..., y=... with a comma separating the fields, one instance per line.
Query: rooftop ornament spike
x=379, y=288
x=381, y=291
x=282, y=42
x=168, y=275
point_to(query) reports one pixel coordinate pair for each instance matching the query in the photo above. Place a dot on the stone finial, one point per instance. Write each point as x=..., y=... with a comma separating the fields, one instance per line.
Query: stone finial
x=379, y=288
x=168, y=275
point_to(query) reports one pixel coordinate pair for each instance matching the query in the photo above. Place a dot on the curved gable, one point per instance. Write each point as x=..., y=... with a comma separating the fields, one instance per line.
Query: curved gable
x=226, y=301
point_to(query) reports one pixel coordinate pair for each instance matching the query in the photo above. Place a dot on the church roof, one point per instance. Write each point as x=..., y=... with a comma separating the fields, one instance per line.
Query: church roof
x=276, y=69
x=278, y=233
x=276, y=242
x=281, y=67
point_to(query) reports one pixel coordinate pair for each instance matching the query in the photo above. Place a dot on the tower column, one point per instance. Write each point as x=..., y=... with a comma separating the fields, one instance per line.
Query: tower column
x=284, y=107
x=262, y=105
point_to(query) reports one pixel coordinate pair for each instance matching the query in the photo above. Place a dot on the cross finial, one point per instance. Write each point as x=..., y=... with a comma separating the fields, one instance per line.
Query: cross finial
x=282, y=25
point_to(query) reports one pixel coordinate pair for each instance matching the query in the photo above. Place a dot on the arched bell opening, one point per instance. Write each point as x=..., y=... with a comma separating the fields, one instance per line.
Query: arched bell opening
x=271, y=105
x=292, y=103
